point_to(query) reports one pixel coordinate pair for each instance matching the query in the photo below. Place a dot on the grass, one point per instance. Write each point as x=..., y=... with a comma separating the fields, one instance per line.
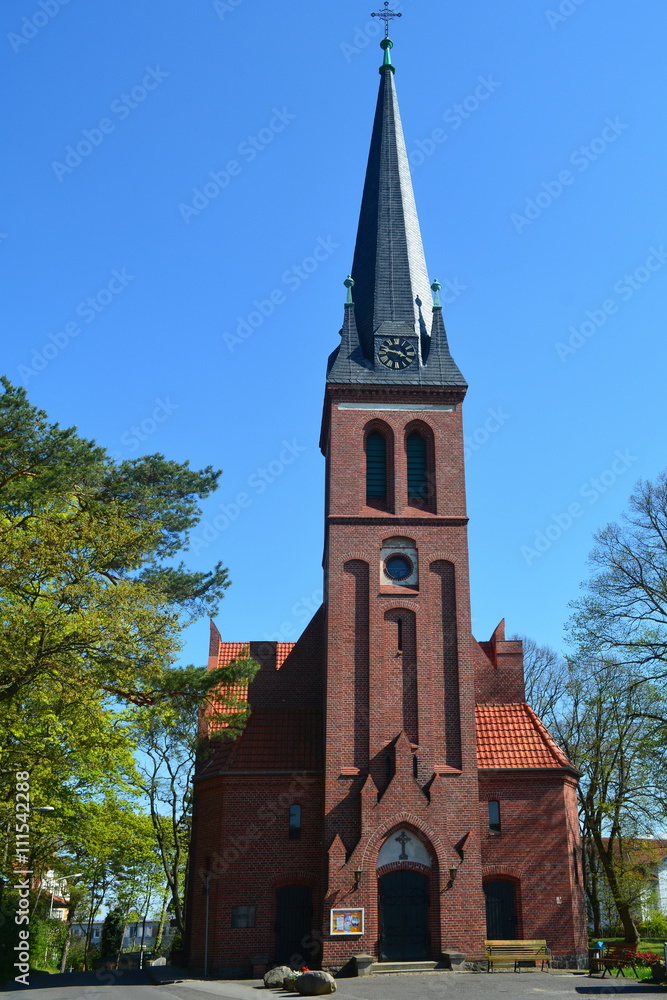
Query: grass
x=655, y=945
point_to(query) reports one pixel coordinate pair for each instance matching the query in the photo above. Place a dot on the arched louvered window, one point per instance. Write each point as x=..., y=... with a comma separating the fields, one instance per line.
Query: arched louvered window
x=376, y=467
x=417, y=477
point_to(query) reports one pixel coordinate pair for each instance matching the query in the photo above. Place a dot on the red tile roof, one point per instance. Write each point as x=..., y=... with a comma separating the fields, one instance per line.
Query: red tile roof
x=228, y=651
x=280, y=739
x=513, y=736
x=222, y=657
x=283, y=650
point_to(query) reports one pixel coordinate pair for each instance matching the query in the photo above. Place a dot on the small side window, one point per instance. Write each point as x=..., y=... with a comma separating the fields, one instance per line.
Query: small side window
x=494, y=816
x=295, y=822
x=243, y=916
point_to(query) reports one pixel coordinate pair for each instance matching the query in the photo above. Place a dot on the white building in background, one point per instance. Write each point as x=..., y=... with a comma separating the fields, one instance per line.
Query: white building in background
x=132, y=935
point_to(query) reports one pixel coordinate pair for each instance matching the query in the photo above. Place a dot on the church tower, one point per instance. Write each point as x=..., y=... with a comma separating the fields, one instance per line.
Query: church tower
x=391, y=795
x=400, y=696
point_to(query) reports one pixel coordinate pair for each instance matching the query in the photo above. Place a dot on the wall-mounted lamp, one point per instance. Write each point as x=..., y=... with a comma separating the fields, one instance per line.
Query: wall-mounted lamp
x=357, y=877
x=453, y=872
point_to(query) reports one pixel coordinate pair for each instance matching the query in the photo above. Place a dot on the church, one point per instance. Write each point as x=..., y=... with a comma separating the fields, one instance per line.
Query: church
x=392, y=796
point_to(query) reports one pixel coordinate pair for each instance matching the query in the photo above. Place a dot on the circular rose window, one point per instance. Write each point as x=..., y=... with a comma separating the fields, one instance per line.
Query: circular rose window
x=398, y=568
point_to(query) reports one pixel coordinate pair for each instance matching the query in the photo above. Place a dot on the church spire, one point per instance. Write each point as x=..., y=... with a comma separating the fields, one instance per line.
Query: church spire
x=392, y=294
x=389, y=269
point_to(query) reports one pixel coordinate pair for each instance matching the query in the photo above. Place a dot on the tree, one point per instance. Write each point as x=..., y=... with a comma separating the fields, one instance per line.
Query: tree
x=89, y=588
x=624, y=608
x=113, y=929
x=610, y=725
x=545, y=674
x=170, y=739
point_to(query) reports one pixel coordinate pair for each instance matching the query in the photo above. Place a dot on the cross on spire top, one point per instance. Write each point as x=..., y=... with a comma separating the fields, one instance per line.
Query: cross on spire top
x=386, y=16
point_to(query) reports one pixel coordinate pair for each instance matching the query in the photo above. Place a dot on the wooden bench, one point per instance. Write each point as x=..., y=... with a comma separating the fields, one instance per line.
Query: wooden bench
x=616, y=957
x=499, y=952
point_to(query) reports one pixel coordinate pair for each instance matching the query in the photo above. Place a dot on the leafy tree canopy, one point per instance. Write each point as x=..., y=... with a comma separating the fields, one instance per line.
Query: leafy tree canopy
x=91, y=592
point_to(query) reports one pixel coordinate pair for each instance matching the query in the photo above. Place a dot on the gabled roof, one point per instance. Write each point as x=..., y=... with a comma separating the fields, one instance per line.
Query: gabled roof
x=512, y=736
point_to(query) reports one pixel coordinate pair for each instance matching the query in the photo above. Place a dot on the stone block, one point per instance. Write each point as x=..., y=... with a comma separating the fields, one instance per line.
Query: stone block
x=274, y=978
x=315, y=984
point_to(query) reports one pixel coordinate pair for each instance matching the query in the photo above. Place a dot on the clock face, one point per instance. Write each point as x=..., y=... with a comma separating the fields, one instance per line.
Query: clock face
x=396, y=353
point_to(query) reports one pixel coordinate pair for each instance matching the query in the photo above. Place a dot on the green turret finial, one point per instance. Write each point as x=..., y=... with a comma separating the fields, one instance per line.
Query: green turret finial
x=436, y=288
x=387, y=45
x=349, y=284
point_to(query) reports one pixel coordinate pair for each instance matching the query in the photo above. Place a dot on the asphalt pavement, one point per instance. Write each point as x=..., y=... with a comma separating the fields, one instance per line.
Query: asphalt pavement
x=533, y=985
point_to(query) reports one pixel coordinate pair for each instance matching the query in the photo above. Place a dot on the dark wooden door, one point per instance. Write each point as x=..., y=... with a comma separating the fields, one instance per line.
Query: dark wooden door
x=294, y=925
x=500, y=910
x=404, y=933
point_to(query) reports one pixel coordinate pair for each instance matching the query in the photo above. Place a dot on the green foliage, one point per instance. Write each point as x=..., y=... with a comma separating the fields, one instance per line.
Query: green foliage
x=88, y=586
x=654, y=926
x=112, y=933
x=171, y=739
x=609, y=720
x=47, y=937
x=93, y=599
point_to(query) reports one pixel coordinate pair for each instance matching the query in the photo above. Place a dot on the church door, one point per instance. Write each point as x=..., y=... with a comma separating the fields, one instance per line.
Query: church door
x=404, y=933
x=294, y=925
x=500, y=910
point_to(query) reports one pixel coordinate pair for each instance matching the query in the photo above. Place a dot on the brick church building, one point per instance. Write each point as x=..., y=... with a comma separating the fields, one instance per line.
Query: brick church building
x=392, y=794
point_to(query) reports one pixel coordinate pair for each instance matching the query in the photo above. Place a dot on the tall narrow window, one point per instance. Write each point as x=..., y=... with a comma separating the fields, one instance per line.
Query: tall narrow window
x=399, y=637
x=376, y=467
x=295, y=822
x=417, y=477
x=494, y=816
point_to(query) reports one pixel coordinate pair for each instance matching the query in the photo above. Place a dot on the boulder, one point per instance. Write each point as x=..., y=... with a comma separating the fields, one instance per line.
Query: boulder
x=314, y=984
x=274, y=978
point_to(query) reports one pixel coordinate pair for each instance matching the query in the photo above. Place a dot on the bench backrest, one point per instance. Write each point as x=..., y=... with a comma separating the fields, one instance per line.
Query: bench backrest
x=515, y=944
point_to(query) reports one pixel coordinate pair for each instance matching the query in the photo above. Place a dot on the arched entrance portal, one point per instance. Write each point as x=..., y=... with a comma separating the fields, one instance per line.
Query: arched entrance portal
x=404, y=902
x=500, y=910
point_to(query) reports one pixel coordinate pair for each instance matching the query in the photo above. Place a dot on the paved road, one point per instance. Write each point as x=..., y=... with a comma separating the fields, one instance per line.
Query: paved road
x=446, y=986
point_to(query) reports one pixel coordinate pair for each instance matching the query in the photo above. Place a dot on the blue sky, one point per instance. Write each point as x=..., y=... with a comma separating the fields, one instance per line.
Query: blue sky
x=171, y=169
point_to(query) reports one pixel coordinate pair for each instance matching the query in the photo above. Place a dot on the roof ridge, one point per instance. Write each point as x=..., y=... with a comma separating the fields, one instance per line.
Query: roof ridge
x=546, y=735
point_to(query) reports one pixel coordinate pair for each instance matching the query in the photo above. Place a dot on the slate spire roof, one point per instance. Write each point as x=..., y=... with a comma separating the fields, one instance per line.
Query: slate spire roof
x=391, y=294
